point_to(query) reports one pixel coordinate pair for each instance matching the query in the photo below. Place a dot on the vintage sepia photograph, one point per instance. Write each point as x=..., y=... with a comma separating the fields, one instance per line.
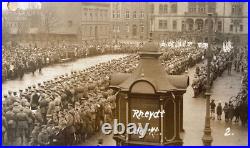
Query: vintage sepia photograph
x=125, y=73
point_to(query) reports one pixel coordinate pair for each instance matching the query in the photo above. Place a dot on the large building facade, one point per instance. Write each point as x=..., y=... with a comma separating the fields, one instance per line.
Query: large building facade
x=21, y=25
x=130, y=21
x=172, y=18
x=95, y=22
x=61, y=22
x=79, y=23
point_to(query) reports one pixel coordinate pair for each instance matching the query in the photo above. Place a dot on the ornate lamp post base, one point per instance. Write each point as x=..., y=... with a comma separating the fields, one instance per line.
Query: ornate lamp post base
x=207, y=138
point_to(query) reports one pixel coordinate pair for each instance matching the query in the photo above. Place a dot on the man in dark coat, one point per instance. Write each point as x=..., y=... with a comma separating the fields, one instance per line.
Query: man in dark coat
x=70, y=127
x=229, y=65
x=231, y=112
x=34, y=101
x=212, y=105
x=11, y=125
x=43, y=103
x=4, y=130
x=219, y=111
x=226, y=112
x=22, y=125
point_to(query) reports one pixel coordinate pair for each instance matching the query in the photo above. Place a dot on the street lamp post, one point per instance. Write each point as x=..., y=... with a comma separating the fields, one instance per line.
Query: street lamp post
x=207, y=137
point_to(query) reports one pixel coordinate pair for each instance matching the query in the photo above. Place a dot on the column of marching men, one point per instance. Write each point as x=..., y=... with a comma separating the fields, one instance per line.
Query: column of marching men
x=219, y=63
x=70, y=108
x=224, y=60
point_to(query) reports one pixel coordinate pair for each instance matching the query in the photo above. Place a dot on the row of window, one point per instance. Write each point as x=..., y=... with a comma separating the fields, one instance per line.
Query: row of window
x=18, y=25
x=163, y=9
x=135, y=14
x=232, y=27
x=163, y=24
x=95, y=30
x=116, y=28
x=95, y=14
x=201, y=9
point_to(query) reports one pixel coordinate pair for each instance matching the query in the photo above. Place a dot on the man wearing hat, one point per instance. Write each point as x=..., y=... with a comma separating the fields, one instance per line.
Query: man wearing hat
x=43, y=137
x=55, y=118
x=34, y=135
x=9, y=92
x=22, y=125
x=43, y=103
x=219, y=111
x=23, y=101
x=20, y=92
x=16, y=97
x=62, y=121
x=4, y=130
x=34, y=100
x=31, y=119
x=77, y=122
x=16, y=107
x=212, y=106
x=70, y=125
x=10, y=98
x=51, y=108
x=11, y=125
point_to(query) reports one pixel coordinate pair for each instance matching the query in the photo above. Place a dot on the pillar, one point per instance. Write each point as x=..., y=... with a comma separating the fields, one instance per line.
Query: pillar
x=181, y=114
x=177, y=103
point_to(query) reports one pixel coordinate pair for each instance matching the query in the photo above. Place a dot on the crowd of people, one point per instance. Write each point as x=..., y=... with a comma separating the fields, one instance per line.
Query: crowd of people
x=178, y=60
x=71, y=108
x=220, y=62
x=18, y=60
x=63, y=111
x=236, y=109
x=240, y=102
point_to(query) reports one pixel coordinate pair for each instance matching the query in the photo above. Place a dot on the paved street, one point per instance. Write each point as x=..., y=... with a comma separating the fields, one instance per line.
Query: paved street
x=194, y=115
x=51, y=72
